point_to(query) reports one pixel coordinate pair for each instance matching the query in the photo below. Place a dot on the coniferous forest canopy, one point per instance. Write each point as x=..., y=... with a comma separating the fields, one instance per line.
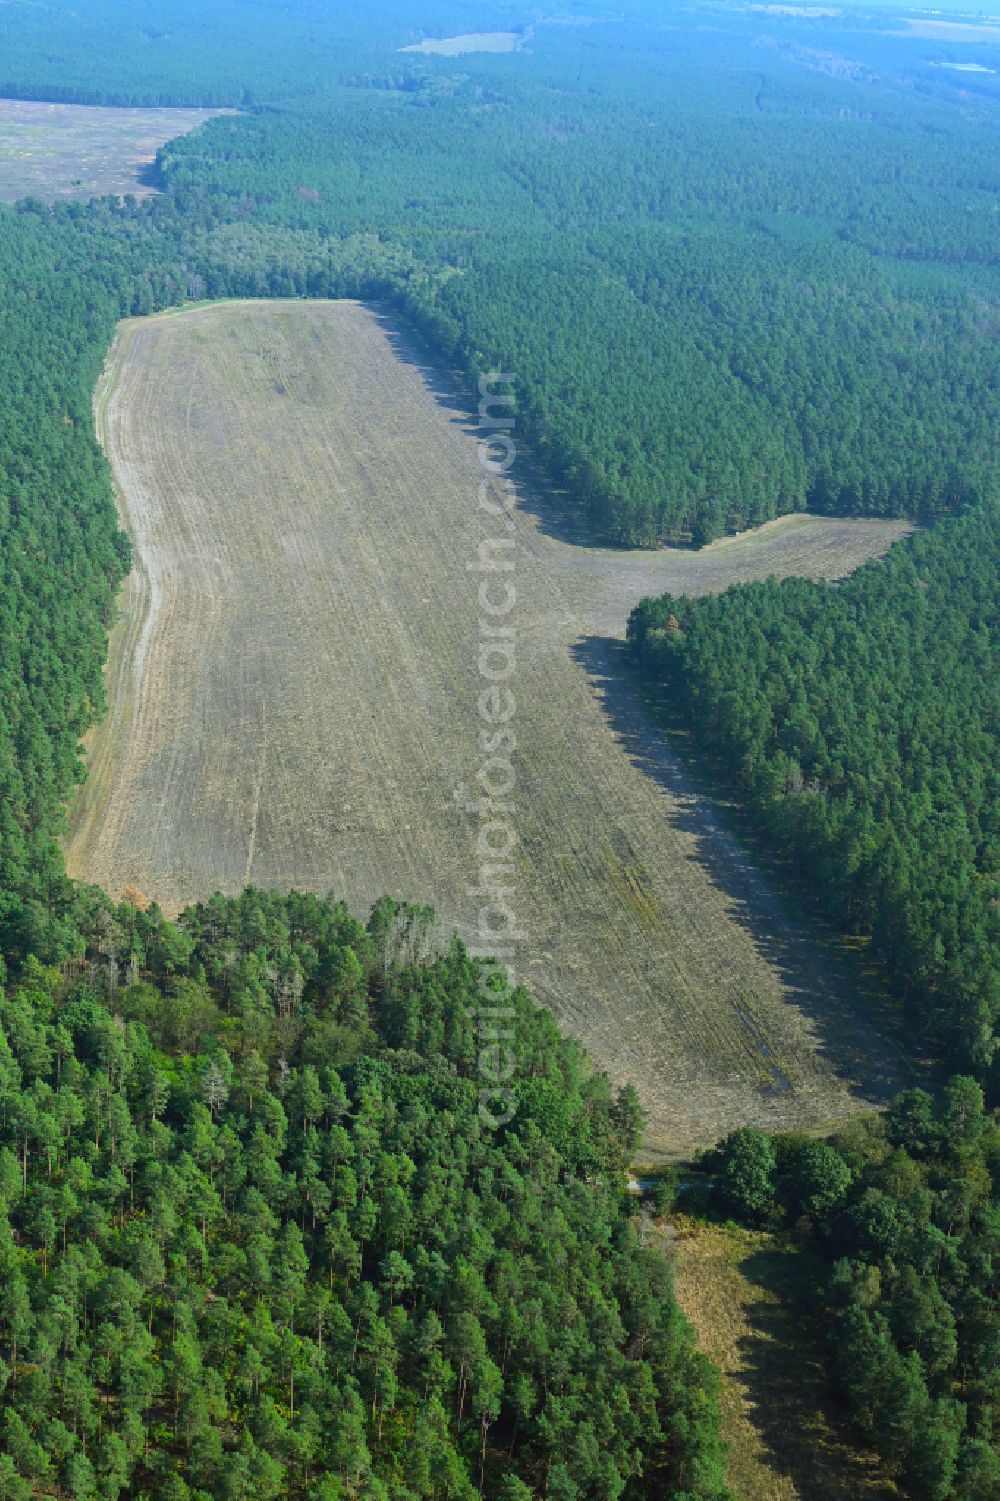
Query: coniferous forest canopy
x=661, y=224
x=257, y=1241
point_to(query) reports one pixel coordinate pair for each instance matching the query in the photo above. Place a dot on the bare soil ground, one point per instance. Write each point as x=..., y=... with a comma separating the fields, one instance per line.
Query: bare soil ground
x=293, y=690
x=59, y=151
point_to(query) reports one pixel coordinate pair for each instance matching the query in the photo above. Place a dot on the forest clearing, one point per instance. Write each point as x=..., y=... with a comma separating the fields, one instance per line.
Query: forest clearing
x=293, y=694
x=476, y=41
x=746, y=1294
x=59, y=151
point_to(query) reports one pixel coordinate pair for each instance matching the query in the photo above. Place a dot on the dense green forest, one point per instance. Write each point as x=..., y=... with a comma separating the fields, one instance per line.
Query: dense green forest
x=258, y=1242
x=257, y=1239
x=62, y=556
x=663, y=226
x=903, y=1214
x=225, y=53
x=862, y=723
x=671, y=324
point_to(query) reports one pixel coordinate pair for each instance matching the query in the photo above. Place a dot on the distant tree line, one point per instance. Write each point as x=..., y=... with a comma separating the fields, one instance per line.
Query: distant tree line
x=727, y=294
x=697, y=351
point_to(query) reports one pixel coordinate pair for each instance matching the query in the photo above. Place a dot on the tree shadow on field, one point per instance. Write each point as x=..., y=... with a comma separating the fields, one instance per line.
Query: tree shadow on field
x=535, y=492
x=782, y=1371
x=410, y=349
x=822, y=980
x=150, y=176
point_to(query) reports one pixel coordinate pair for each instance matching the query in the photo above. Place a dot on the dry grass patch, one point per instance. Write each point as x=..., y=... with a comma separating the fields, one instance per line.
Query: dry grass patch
x=743, y=1291
x=293, y=692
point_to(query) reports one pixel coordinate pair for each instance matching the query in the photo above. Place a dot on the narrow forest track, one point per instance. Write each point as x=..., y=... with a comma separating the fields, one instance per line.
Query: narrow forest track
x=293, y=700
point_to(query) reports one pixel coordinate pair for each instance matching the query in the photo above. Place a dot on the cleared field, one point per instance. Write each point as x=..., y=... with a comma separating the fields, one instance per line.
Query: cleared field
x=985, y=30
x=60, y=151
x=474, y=41
x=294, y=688
x=744, y=1292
